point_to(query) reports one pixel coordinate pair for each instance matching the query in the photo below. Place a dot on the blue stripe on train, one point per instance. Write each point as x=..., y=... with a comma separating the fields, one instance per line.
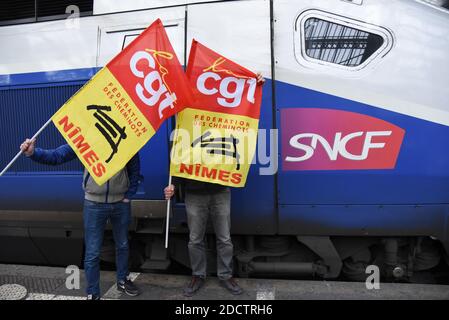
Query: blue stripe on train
x=422, y=169
x=46, y=77
x=411, y=199
x=317, y=202
x=27, y=101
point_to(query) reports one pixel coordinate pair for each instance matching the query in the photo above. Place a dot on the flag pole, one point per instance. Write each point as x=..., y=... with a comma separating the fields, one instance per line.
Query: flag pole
x=20, y=152
x=167, y=220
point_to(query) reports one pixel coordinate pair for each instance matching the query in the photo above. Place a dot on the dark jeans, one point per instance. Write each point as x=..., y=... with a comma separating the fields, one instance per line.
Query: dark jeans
x=199, y=207
x=95, y=217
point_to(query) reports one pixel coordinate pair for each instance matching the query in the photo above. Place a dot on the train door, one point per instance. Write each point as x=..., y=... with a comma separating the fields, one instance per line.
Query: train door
x=148, y=206
x=119, y=31
x=240, y=30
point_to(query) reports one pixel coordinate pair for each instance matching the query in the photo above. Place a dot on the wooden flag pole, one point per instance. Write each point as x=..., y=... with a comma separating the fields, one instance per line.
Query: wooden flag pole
x=20, y=152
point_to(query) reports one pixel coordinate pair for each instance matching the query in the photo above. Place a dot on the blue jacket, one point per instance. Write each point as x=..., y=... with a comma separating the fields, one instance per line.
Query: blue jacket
x=65, y=153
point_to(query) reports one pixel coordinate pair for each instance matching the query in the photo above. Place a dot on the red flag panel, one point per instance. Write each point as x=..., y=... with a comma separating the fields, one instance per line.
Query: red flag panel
x=221, y=85
x=150, y=72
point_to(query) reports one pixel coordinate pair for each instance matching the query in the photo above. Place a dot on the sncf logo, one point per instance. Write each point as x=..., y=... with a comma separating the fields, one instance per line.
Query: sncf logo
x=324, y=139
x=336, y=148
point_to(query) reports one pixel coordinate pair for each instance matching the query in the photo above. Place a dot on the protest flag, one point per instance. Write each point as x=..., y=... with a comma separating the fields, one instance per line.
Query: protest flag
x=217, y=135
x=114, y=114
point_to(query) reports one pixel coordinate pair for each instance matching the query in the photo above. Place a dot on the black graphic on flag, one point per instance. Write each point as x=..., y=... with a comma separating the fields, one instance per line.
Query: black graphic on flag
x=107, y=126
x=220, y=145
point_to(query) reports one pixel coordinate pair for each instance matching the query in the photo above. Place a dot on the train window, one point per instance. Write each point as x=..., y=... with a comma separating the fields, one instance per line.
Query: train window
x=334, y=41
x=26, y=11
x=12, y=12
x=439, y=3
x=52, y=10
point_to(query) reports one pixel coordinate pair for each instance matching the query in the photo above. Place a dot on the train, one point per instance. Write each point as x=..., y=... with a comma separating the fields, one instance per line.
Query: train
x=351, y=167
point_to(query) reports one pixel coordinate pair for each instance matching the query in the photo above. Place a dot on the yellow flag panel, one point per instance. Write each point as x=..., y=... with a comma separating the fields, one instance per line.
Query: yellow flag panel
x=213, y=147
x=103, y=126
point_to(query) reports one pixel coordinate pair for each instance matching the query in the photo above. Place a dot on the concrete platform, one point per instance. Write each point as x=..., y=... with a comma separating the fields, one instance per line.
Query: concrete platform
x=37, y=283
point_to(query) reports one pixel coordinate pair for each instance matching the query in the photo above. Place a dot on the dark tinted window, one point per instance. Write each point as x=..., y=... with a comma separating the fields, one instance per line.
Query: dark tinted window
x=439, y=3
x=339, y=44
x=49, y=8
x=23, y=11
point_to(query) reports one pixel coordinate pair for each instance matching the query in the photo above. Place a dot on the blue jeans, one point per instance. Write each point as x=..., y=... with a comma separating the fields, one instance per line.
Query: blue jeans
x=199, y=207
x=96, y=215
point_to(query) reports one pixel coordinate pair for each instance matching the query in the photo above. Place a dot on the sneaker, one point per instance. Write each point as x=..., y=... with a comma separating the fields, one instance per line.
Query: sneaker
x=128, y=287
x=232, y=286
x=194, y=285
x=92, y=297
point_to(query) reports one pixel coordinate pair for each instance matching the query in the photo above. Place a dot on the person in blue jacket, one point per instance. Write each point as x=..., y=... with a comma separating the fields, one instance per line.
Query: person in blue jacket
x=111, y=201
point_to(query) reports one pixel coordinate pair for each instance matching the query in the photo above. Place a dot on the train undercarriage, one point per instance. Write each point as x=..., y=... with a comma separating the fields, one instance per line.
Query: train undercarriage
x=56, y=239
x=297, y=257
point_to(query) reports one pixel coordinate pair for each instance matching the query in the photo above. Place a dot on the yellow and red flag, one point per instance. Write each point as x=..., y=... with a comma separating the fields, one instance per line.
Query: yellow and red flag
x=114, y=114
x=216, y=137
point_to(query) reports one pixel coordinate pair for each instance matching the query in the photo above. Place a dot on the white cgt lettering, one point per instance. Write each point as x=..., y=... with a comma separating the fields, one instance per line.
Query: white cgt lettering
x=339, y=145
x=153, y=88
x=228, y=98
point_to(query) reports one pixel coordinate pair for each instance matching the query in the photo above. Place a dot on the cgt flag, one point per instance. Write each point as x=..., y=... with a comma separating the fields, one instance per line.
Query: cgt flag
x=215, y=140
x=113, y=115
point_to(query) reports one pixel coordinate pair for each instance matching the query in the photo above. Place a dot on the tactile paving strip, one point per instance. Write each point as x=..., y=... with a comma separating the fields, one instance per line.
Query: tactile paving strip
x=12, y=292
x=31, y=284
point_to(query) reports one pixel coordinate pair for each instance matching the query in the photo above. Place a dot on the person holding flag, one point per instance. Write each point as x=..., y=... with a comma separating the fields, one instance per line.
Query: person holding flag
x=110, y=201
x=105, y=124
x=204, y=199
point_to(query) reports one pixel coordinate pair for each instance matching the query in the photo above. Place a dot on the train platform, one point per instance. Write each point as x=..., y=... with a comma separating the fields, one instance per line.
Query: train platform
x=19, y=282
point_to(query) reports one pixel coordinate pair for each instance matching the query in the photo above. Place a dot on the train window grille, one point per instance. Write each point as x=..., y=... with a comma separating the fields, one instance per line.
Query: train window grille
x=339, y=44
x=327, y=41
x=23, y=110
